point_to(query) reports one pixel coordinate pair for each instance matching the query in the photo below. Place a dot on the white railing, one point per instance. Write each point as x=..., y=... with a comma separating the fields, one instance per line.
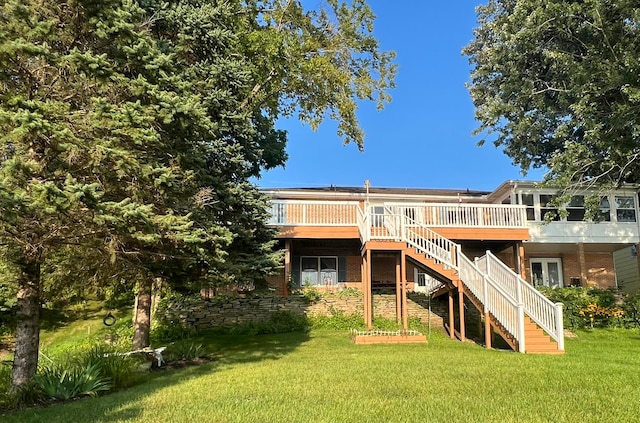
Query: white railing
x=340, y=213
x=363, y=224
x=466, y=215
x=538, y=307
x=314, y=213
x=493, y=299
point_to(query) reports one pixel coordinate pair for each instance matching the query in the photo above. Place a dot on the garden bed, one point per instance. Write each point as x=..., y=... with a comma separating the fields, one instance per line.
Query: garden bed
x=387, y=337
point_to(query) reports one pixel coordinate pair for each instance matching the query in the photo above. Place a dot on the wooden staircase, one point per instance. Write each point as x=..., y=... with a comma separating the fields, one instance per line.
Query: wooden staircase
x=442, y=270
x=536, y=341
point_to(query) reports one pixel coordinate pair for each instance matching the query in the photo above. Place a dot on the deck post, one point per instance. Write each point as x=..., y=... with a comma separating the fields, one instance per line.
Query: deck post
x=452, y=327
x=488, y=334
x=523, y=265
x=461, y=311
x=583, y=265
x=287, y=268
x=559, y=326
x=398, y=290
x=403, y=279
x=369, y=317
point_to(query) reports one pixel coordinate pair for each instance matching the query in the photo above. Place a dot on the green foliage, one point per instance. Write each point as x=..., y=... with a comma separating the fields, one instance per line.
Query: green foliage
x=587, y=307
x=631, y=308
x=184, y=351
x=164, y=332
x=348, y=293
x=279, y=322
x=311, y=294
x=337, y=320
x=63, y=382
x=553, y=82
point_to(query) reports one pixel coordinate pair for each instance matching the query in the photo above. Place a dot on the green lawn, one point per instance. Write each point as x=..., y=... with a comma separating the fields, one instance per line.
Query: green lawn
x=323, y=377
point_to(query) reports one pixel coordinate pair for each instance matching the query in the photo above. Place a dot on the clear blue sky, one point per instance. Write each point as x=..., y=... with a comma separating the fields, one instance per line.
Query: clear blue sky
x=422, y=139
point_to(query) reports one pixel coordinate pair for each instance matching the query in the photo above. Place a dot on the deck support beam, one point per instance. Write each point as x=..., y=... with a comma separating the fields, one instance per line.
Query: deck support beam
x=399, y=306
x=452, y=327
x=368, y=318
x=461, y=311
x=522, y=261
x=287, y=268
x=403, y=279
x=488, y=333
x=583, y=265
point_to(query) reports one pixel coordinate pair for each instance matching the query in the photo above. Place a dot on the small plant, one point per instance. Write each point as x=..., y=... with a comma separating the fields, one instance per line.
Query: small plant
x=311, y=295
x=348, y=293
x=62, y=381
x=185, y=351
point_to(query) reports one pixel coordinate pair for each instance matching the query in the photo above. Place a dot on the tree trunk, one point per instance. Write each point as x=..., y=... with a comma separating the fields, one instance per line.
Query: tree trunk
x=142, y=318
x=25, y=360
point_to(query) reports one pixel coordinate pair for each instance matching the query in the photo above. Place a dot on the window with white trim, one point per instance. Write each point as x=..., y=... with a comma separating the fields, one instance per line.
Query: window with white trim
x=625, y=208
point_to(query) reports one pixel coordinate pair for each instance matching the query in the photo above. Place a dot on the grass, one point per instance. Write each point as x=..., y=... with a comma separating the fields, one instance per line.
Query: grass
x=322, y=377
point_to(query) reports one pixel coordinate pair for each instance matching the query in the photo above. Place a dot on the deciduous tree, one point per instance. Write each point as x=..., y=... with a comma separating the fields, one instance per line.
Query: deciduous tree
x=557, y=84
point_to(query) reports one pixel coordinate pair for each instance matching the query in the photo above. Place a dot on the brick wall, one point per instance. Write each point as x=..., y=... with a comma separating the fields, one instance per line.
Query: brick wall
x=600, y=268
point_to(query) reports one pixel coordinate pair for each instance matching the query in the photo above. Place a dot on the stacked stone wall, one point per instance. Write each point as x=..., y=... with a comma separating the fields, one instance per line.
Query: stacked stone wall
x=200, y=314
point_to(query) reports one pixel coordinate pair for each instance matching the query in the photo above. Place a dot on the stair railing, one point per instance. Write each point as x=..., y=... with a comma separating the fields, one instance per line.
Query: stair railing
x=539, y=308
x=494, y=299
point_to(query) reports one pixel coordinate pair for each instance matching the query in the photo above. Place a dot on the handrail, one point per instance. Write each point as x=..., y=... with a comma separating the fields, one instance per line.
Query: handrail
x=494, y=299
x=538, y=307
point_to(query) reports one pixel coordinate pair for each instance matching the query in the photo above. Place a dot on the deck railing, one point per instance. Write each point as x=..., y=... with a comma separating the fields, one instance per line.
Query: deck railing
x=341, y=213
x=465, y=215
x=538, y=307
x=314, y=213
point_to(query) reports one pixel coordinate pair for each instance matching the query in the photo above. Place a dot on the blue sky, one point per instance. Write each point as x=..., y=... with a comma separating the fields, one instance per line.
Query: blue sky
x=422, y=139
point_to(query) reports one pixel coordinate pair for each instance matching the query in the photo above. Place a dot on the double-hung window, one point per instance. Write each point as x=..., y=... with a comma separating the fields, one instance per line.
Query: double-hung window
x=319, y=271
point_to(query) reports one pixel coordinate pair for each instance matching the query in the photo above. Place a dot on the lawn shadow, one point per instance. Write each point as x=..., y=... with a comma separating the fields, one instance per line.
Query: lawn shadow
x=127, y=404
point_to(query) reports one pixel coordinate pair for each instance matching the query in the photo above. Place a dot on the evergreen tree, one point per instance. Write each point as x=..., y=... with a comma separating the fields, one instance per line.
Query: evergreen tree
x=138, y=126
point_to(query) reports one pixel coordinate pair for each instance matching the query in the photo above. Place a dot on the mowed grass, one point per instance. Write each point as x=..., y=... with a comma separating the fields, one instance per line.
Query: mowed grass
x=322, y=377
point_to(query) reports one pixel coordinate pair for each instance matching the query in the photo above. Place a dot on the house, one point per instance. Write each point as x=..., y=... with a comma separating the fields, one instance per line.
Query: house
x=490, y=247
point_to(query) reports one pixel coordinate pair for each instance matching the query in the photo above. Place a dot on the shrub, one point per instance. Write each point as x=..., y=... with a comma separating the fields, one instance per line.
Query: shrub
x=631, y=308
x=164, y=332
x=587, y=307
x=63, y=381
x=279, y=322
x=311, y=295
x=337, y=320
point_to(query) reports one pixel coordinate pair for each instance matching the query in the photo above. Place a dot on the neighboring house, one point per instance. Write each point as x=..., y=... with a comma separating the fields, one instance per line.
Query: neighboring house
x=449, y=241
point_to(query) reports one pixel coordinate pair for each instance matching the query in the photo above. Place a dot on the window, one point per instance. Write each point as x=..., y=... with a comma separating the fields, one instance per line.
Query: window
x=545, y=199
x=319, y=271
x=625, y=208
x=605, y=209
x=527, y=200
x=575, y=209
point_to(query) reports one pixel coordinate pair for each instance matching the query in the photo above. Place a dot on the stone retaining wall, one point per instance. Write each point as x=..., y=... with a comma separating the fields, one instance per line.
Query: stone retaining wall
x=200, y=314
